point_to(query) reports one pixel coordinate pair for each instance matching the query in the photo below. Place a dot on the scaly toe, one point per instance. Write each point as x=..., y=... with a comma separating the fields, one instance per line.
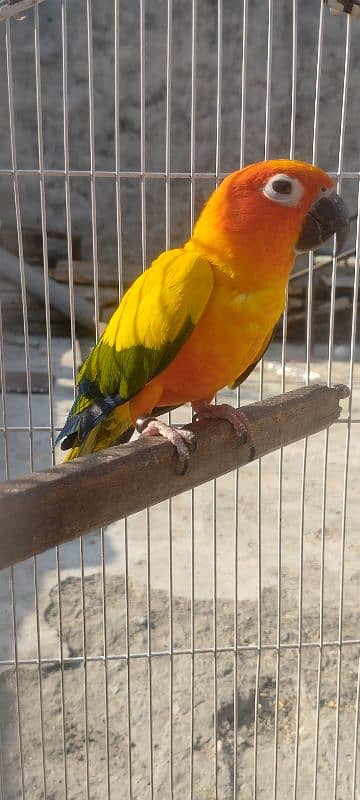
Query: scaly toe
x=236, y=418
x=184, y=441
x=242, y=434
x=189, y=437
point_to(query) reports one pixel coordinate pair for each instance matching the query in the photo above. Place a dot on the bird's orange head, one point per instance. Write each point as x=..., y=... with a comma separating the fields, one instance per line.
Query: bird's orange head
x=259, y=217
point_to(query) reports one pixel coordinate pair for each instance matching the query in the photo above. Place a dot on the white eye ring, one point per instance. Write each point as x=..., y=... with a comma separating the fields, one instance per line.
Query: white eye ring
x=284, y=190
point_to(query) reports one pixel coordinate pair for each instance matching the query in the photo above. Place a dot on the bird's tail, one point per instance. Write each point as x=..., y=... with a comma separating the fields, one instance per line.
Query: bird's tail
x=116, y=428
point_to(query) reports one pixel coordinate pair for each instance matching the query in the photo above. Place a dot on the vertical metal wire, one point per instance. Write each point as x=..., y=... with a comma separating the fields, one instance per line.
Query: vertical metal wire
x=149, y=653
x=235, y=667
x=322, y=547
x=193, y=112
x=345, y=494
x=314, y=159
x=84, y=641
x=214, y=487
x=283, y=353
x=293, y=76
x=39, y=671
x=117, y=147
x=169, y=504
x=214, y=539
x=268, y=80
x=259, y=636
x=90, y=54
x=300, y=618
x=236, y=486
x=19, y=236
x=326, y=439
x=17, y=692
x=142, y=134
x=305, y=447
x=128, y=659
x=261, y=391
x=348, y=432
x=65, y=92
x=48, y=346
x=105, y=652
x=64, y=42
x=192, y=640
x=39, y=116
x=192, y=494
x=340, y=168
x=121, y=289
x=292, y=155
x=283, y=386
x=284, y=339
x=168, y=123
x=171, y=657
x=243, y=81
x=7, y=476
x=144, y=263
x=356, y=737
x=2, y=788
x=3, y=398
x=27, y=361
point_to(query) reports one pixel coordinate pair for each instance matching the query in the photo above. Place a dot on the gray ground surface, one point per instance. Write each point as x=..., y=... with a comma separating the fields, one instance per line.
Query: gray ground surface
x=247, y=573
x=205, y=726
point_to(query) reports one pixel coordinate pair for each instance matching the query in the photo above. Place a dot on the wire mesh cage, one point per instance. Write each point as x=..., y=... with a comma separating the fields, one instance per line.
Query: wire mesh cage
x=207, y=647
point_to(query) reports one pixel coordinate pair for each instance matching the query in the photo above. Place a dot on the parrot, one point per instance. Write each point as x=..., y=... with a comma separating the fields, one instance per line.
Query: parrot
x=201, y=316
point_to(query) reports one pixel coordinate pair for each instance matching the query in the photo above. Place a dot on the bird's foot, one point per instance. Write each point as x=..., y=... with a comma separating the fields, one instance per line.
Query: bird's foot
x=183, y=440
x=235, y=416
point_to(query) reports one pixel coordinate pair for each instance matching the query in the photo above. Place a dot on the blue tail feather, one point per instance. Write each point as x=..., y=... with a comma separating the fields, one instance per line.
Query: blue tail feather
x=78, y=425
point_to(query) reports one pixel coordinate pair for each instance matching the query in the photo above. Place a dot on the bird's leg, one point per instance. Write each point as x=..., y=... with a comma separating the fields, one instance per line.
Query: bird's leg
x=236, y=417
x=183, y=440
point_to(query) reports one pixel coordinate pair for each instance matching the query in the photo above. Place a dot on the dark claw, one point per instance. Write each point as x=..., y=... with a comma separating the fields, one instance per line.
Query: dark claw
x=243, y=436
x=193, y=443
x=252, y=452
x=182, y=465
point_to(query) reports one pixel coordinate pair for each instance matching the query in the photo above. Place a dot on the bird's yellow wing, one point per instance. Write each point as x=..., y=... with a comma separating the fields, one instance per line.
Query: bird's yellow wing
x=154, y=319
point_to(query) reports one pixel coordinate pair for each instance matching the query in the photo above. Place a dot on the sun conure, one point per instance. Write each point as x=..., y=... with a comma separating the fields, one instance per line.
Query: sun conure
x=201, y=316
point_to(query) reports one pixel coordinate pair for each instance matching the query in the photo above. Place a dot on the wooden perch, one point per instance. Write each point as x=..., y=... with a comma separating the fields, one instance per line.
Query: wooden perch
x=54, y=506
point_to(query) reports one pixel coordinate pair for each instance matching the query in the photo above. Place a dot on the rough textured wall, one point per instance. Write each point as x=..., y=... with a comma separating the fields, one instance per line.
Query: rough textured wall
x=155, y=89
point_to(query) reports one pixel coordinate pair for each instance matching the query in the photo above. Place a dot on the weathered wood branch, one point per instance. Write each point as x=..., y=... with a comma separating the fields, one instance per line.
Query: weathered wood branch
x=54, y=506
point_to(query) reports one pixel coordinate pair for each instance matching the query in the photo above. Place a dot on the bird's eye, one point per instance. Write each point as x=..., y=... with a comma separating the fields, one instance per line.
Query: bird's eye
x=282, y=186
x=283, y=190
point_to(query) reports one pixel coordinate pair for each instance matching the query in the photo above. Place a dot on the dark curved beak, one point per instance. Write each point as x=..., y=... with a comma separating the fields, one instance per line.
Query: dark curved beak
x=328, y=215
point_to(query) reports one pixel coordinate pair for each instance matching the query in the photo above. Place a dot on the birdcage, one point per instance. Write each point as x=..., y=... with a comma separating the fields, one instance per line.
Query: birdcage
x=167, y=636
